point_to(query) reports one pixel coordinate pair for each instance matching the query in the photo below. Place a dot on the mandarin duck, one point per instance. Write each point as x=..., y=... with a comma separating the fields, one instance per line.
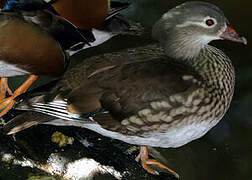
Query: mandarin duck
x=112, y=26
x=32, y=42
x=97, y=32
x=84, y=14
x=148, y=96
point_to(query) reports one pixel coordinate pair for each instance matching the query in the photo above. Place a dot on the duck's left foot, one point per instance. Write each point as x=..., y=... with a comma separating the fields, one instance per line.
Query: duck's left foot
x=7, y=103
x=151, y=164
x=4, y=88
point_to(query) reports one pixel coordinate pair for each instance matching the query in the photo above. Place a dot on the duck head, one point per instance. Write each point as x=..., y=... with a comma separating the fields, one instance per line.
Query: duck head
x=184, y=30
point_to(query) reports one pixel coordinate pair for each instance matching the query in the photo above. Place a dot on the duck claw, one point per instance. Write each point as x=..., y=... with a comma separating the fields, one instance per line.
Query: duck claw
x=148, y=164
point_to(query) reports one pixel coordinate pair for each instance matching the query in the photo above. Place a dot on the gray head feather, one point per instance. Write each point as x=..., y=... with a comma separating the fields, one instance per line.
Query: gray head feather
x=183, y=31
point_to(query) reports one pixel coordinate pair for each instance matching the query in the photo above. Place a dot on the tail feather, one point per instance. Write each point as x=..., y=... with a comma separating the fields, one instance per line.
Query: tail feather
x=24, y=121
x=53, y=113
x=51, y=106
x=57, y=108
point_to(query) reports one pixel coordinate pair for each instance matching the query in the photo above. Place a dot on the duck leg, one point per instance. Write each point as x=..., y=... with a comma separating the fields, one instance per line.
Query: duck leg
x=144, y=157
x=7, y=103
x=4, y=88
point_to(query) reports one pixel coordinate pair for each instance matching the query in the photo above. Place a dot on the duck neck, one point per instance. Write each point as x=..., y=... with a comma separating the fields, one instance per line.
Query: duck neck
x=216, y=70
x=211, y=62
x=183, y=49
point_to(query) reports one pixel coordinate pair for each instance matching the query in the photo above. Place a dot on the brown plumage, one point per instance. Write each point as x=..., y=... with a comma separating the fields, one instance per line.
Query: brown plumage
x=37, y=53
x=85, y=14
x=32, y=42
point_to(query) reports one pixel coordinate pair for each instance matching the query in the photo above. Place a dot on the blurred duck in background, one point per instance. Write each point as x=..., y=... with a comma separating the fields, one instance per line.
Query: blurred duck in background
x=84, y=14
x=148, y=96
x=32, y=42
x=36, y=25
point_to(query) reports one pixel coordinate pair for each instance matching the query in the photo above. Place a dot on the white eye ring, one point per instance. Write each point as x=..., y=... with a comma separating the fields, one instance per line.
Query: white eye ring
x=209, y=22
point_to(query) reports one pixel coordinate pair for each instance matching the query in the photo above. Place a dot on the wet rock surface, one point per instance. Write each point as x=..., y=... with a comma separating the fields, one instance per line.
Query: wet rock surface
x=90, y=156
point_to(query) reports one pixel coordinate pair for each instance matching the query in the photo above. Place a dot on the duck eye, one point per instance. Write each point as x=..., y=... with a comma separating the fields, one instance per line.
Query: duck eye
x=209, y=22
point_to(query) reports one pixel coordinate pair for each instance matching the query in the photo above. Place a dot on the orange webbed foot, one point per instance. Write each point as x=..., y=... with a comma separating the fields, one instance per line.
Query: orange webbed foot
x=150, y=164
x=7, y=103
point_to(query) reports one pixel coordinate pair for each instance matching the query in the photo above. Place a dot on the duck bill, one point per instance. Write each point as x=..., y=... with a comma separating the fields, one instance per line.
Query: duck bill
x=232, y=35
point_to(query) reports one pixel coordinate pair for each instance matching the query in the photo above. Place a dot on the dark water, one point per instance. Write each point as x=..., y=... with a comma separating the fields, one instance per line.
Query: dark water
x=225, y=153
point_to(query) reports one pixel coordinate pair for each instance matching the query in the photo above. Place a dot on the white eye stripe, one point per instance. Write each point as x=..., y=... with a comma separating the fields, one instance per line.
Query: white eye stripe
x=203, y=23
x=187, y=23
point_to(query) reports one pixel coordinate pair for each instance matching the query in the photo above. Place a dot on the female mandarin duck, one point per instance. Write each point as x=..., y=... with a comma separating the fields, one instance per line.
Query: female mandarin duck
x=32, y=42
x=149, y=96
